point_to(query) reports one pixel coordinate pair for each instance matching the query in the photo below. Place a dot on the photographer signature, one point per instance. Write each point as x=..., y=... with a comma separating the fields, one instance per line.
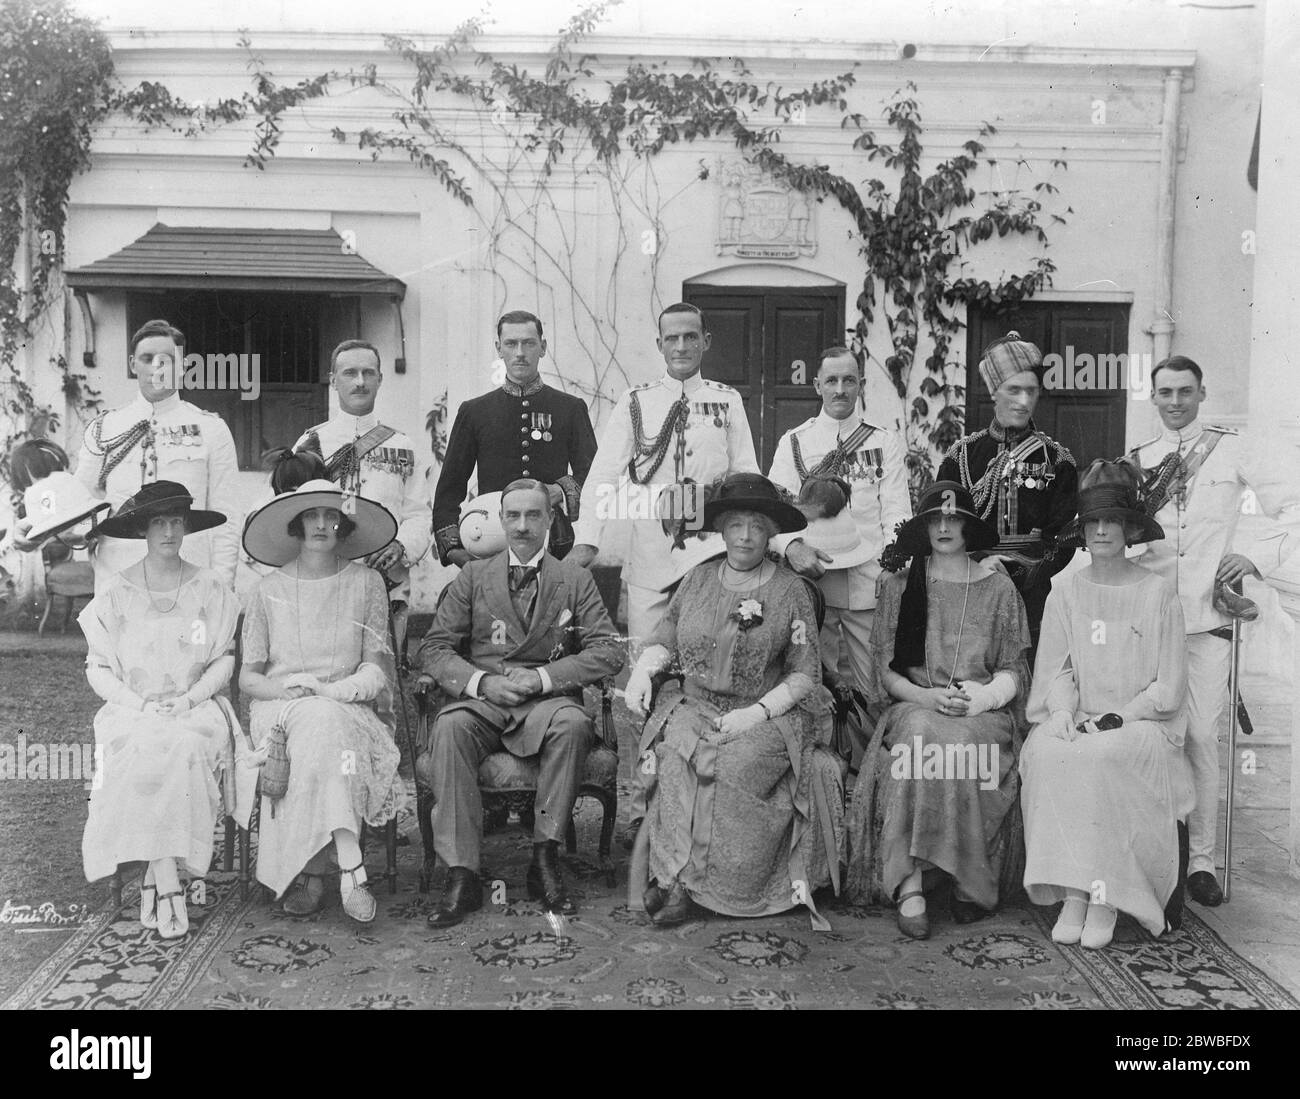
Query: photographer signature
x=42, y=913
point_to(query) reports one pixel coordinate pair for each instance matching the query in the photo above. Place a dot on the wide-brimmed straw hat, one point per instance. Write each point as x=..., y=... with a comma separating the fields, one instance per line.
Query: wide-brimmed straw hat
x=266, y=534
x=944, y=498
x=55, y=503
x=839, y=537
x=753, y=492
x=158, y=498
x=481, y=532
x=1109, y=490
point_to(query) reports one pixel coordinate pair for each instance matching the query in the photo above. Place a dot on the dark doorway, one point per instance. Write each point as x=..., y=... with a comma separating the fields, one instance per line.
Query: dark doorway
x=291, y=334
x=1090, y=420
x=762, y=336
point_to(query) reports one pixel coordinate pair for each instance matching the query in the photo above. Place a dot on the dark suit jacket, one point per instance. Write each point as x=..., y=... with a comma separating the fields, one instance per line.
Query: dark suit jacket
x=495, y=433
x=476, y=629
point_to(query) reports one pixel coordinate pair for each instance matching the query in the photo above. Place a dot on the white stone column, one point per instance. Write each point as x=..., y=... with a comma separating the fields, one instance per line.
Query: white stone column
x=1274, y=379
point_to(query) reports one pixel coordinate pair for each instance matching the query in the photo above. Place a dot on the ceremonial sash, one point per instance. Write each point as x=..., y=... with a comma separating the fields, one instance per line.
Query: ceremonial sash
x=348, y=457
x=832, y=464
x=1174, y=474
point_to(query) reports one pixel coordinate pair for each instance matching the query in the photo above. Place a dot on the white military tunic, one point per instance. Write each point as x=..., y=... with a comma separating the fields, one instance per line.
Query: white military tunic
x=391, y=474
x=717, y=442
x=1200, y=527
x=877, y=477
x=185, y=444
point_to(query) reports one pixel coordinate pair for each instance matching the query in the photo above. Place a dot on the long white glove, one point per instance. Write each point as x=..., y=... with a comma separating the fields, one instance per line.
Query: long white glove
x=639, y=688
x=111, y=689
x=993, y=695
x=1059, y=725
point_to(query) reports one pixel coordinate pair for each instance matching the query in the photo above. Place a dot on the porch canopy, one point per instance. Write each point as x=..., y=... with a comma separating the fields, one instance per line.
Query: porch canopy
x=317, y=261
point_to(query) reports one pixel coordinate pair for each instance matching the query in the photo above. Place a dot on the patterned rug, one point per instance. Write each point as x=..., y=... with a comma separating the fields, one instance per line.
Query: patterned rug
x=244, y=954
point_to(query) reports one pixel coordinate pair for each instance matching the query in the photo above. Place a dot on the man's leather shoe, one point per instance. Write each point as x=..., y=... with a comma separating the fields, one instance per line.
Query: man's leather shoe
x=462, y=895
x=545, y=882
x=1204, y=889
x=676, y=909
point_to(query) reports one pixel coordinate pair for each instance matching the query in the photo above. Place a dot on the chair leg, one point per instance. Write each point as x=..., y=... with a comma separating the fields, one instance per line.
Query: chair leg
x=1174, y=909
x=49, y=602
x=424, y=810
x=245, y=860
x=67, y=614
x=228, y=856
x=571, y=837
x=391, y=873
x=609, y=817
x=115, y=888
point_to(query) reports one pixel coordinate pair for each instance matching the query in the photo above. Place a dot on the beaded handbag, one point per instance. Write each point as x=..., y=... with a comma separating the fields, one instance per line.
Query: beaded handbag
x=275, y=771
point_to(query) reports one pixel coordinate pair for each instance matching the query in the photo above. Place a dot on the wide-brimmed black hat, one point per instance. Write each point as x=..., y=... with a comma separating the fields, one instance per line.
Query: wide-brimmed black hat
x=1110, y=490
x=944, y=498
x=159, y=498
x=754, y=492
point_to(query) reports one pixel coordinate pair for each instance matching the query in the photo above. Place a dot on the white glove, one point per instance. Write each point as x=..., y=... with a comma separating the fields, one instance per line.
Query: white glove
x=989, y=696
x=304, y=680
x=1061, y=726
x=638, y=691
x=342, y=691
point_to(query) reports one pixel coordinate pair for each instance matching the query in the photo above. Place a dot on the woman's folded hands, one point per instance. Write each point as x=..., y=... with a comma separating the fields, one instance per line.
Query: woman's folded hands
x=1061, y=726
x=989, y=696
x=737, y=721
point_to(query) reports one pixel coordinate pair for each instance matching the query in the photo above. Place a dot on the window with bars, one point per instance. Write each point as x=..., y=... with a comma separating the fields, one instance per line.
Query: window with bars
x=282, y=335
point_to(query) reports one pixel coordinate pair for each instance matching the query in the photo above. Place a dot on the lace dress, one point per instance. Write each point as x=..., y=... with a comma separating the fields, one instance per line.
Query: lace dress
x=160, y=781
x=342, y=757
x=749, y=822
x=939, y=791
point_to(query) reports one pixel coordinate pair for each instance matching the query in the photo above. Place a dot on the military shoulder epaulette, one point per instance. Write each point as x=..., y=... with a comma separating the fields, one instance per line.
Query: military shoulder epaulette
x=643, y=385
x=806, y=424
x=1153, y=439
x=1062, y=452
x=208, y=412
x=1222, y=430
x=965, y=441
x=720, y=386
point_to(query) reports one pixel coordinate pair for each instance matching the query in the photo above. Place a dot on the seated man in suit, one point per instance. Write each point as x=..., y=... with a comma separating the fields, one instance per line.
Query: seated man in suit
x=535, y=632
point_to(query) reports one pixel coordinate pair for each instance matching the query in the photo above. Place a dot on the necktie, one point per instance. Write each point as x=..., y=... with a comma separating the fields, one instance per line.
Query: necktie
x=521, y=576
x=523, y=592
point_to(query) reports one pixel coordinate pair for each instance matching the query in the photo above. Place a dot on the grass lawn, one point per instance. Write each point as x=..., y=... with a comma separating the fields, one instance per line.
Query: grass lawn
x=45, y=698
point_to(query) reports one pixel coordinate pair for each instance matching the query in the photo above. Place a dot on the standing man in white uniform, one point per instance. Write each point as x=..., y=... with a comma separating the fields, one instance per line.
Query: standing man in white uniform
x=838, y=442
x=159, y=437
x=1196, y=478
x=365, y=457
x=660, y=435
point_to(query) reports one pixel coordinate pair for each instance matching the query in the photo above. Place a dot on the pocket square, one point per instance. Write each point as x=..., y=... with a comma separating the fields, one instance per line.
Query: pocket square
x=565, y=615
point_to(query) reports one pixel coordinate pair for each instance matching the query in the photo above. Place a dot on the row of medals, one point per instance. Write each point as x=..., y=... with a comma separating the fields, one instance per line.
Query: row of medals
x=1017, y=479
x=184, y=435
x=541, y=427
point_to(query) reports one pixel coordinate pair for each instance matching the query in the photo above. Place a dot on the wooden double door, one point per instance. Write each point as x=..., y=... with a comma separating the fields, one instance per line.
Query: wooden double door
x=1090, y=421
x=767, y=343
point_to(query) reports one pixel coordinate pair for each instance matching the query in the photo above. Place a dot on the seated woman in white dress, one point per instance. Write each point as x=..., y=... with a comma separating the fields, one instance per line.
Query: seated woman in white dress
x=319, y=667
x=160, y=637
x=1103, y=777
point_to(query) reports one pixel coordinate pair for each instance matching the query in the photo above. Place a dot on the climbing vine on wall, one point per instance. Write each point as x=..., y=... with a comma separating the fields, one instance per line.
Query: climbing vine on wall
x=487, y=128
x=55, y=71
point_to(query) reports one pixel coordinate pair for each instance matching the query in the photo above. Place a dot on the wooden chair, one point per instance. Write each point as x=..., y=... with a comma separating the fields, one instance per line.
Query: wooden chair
x=64, y=578
x=505, y=774
x=246, y=834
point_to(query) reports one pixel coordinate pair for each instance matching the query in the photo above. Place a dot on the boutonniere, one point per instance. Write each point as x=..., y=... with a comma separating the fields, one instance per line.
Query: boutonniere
x=749, y=614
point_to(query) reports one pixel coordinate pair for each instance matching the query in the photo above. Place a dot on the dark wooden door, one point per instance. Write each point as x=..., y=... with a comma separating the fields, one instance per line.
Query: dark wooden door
x=1089, y=420
x=766, y=343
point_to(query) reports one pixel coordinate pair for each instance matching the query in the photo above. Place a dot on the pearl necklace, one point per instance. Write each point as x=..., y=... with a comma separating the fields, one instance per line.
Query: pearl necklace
x=961, y=628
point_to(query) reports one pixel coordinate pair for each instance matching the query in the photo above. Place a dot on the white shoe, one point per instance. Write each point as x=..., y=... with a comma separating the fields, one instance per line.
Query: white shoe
x=173, y=919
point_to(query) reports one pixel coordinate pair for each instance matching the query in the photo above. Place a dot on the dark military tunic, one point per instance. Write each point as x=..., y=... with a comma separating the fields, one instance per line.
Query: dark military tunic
x=1026, y=485
x=510, y=433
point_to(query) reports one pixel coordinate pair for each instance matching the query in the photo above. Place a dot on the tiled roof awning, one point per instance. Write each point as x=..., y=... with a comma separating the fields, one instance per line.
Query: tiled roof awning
x=179, y=258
